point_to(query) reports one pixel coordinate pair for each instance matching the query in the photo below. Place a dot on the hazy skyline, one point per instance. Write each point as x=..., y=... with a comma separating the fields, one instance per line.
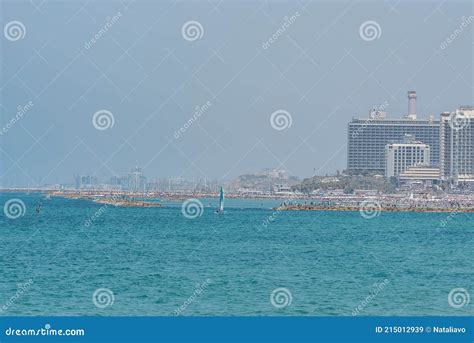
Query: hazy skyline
x=189, y=88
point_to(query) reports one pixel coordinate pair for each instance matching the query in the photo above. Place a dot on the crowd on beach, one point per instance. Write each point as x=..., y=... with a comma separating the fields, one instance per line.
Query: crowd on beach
x=387, y=203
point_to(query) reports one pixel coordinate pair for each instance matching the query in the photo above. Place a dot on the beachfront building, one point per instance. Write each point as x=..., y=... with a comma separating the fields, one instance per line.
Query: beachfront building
x=404, y=154
x=368, y=137
x=282, y=189
x=420, y=173
x=457, y=145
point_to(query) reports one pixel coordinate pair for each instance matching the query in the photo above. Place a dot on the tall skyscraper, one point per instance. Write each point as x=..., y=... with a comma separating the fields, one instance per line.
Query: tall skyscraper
x=368, y=137
x=457, y=145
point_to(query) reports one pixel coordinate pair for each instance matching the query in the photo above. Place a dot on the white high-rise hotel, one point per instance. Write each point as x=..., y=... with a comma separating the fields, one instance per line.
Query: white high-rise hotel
x=367, y=137
x=404, y=154
x=457, y=145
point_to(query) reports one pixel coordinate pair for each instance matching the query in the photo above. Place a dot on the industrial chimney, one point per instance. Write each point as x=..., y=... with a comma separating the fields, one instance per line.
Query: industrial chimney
x=411, y=105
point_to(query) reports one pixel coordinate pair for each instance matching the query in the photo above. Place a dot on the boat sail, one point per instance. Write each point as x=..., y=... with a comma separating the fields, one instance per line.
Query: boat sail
x=221, y=202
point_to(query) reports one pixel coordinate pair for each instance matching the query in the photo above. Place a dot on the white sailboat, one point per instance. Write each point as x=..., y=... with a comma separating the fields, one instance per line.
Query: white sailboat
x=220, y=209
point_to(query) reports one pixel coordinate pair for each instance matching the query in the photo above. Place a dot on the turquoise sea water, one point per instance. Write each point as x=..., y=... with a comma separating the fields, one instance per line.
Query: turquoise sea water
x=154, y=260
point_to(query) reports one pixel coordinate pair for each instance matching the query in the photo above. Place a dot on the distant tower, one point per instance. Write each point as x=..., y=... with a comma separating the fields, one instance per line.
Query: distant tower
x=411, y=105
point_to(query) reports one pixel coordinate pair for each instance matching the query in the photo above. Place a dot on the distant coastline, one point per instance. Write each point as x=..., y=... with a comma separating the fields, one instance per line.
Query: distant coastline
x=442, y=202
x=168, y=195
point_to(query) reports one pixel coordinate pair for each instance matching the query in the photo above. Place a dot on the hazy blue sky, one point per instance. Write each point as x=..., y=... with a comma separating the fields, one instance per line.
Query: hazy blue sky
x=322, y=70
